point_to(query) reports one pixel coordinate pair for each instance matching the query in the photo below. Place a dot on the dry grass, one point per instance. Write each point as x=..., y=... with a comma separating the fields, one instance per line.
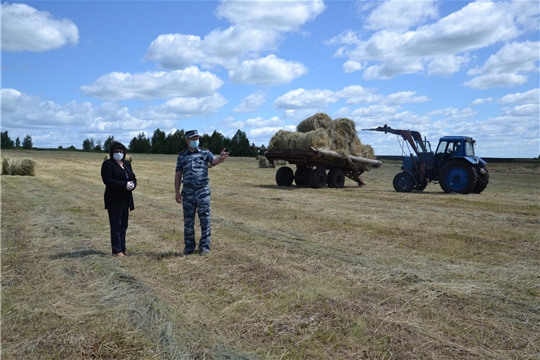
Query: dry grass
x=294, y=273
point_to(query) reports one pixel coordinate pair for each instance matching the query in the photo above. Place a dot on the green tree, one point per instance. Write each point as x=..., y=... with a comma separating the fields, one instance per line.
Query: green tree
x=140, y=144
x=216, y=142
x=88, y=144
x=158, y=142
x=107, y=144
x=5, y=141
x=98, y=146
x=204, y=141
x=240, y=145
x=17, y=142
x=175, y=142
x=27, y=142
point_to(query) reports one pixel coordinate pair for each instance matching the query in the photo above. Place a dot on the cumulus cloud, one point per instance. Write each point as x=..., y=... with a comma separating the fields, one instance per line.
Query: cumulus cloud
x=404, y=97
x=305, y=99
x=530, y=97
x=261, y=122
x=267, y=71
x=25, y=28
x=481, y=101
x=351, y=66
x=442, y=45
x=251, y=102
x=507, y=66
x=401, y=14
x=357, y=94
x=190, y=82
x=183, y=108
x=256, y=26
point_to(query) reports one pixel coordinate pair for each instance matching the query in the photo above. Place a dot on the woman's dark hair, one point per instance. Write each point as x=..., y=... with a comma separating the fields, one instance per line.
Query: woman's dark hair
x=117, y=145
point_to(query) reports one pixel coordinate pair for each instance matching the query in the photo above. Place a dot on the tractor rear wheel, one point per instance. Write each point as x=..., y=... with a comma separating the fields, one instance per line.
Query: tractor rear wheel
x=284, y=176
x=336, y=178
x=403, y=182
x=458, y=176
x=317, y=178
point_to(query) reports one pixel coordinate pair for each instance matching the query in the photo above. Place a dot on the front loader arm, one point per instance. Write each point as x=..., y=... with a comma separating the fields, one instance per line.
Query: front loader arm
x=412, y=137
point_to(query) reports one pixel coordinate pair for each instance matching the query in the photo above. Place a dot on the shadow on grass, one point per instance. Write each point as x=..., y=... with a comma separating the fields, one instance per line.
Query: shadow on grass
x=78, y=254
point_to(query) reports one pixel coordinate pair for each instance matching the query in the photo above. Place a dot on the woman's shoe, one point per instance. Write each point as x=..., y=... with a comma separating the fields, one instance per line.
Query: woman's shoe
x=120, y=254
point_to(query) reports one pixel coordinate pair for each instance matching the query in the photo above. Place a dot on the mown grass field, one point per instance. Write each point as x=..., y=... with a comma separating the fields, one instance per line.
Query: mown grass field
x=294, y=273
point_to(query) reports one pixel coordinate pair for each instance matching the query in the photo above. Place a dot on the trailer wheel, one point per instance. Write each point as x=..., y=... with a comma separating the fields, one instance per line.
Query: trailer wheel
x=284, y=176
x=336, y=178
x=458, y=176
x=403, y=182
x=317, y=178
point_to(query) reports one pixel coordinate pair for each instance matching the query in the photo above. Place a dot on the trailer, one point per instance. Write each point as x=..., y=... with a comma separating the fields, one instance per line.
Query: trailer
x=319, y=167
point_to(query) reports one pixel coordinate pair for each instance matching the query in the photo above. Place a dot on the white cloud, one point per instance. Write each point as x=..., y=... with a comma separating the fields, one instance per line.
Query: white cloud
x=475, y=26
x=506, y=67
x=282, y=17
x=404, y=97
x=481, y=101
x=183, y=108
x=351, y=66
x=190, y=82
x=357, y=94
x=530, y=97
x=446, y=65
x=305, y=99
x=401, y=14
x=267, y=71
x=260, y=122
x=496, y=80
x=25, y=28
x=251, y=102
x=453, y=114
x=257, y=26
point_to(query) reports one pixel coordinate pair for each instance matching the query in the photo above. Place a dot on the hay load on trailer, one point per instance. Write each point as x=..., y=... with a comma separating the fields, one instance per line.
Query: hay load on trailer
x=321, y=144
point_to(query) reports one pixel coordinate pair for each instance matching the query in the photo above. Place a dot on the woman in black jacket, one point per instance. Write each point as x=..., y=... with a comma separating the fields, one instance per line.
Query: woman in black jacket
x=120, y=182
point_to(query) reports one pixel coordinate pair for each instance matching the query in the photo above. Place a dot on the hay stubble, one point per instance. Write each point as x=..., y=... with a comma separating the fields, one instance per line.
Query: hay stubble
x=294, y=272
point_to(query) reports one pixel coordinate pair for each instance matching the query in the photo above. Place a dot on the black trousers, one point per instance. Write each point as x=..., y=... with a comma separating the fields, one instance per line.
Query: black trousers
x=118, y=220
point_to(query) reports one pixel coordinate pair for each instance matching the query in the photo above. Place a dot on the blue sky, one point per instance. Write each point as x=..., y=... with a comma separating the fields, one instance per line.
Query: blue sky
x=73, y=70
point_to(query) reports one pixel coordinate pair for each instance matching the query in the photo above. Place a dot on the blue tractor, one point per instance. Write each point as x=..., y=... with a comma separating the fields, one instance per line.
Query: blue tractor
x=453, y=165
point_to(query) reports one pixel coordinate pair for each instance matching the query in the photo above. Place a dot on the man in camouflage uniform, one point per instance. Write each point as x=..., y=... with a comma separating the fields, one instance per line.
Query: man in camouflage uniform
x=192, y=172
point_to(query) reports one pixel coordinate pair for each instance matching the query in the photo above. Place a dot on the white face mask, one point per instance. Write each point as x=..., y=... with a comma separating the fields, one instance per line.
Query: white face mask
x=118, y=156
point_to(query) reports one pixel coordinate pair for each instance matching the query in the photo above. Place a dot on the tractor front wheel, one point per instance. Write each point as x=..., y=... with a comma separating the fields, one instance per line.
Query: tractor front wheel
x=458, y=176
x=284, y=176
x=483, y=179
x=403, y=182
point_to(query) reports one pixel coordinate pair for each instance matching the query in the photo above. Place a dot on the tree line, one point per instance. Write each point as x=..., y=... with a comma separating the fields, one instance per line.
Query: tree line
x=159, y=143
x=7, y=143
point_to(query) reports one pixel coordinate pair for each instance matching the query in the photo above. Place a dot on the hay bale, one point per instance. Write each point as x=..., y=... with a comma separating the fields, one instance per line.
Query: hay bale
x=317, y=121
x=14, y=166
x=338, y=135
x=264, y=163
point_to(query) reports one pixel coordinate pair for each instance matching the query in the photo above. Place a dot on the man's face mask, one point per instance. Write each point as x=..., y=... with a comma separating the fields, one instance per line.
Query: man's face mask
x=194, y=144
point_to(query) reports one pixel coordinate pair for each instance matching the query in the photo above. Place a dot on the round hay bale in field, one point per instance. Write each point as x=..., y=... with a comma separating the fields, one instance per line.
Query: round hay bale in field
x=317, y=121
x=264, y=163
x=14, y=166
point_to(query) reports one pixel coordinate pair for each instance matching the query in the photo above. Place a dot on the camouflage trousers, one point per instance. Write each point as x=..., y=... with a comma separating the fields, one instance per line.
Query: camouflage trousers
x=196, y=200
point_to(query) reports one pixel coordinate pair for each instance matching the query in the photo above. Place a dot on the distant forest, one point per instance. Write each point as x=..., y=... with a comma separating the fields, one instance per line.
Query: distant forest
x=159, y=143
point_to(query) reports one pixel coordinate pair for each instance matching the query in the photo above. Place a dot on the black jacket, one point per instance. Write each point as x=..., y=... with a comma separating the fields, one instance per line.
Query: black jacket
x=115, y=179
